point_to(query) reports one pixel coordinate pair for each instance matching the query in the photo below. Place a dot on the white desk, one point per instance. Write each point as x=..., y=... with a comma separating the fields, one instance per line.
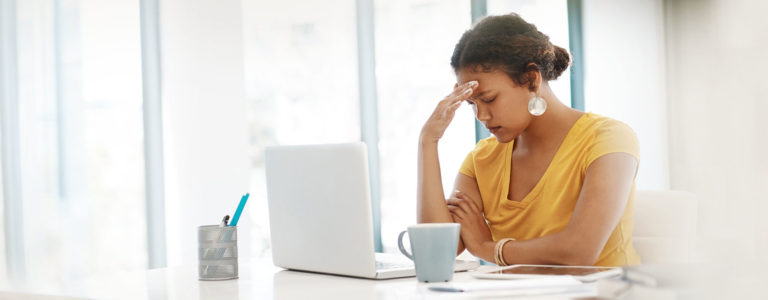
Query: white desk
x=258, y=280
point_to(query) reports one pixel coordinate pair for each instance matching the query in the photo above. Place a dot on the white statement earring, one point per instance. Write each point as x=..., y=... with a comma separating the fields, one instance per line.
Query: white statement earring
x=537, y=106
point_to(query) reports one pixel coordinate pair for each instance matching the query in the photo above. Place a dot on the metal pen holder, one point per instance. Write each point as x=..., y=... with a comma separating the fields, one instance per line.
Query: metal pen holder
x=217, y=252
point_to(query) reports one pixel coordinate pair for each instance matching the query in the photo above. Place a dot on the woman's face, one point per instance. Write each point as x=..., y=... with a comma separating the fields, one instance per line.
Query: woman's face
x=499, y=103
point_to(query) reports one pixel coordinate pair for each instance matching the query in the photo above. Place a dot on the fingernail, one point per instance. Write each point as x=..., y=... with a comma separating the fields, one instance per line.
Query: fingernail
x=467, y=92
x=473, y=83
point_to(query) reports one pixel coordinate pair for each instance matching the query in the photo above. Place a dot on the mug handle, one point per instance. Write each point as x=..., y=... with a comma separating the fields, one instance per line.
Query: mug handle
x=400, y=245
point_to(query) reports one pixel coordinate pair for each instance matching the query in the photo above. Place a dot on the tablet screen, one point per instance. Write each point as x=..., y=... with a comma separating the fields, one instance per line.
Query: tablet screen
x=552, y=270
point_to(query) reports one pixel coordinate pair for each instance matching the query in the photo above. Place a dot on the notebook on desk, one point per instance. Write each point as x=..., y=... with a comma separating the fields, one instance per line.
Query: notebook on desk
x=320, y=213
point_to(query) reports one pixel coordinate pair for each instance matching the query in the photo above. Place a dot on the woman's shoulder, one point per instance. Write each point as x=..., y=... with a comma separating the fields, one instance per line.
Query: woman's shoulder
x=488, y=147
x=605, y=135
x=601, y=126
x=487, y=144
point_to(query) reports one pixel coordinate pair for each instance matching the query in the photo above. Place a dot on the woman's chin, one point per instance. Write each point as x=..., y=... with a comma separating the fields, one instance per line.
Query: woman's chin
x=503, y=139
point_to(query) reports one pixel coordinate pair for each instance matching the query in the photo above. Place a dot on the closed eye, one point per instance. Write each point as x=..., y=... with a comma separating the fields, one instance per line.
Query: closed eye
x=489, y=100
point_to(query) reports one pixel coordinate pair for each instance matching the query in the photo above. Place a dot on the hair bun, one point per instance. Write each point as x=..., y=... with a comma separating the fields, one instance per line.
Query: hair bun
x=509, y=44
x=561, y=63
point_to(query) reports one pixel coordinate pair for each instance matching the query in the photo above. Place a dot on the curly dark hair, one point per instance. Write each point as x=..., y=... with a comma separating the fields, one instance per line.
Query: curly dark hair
x=512, y=45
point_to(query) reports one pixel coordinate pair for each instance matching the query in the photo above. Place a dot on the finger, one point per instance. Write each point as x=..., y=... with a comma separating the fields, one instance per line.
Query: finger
x=461, y=96
x=471, y=83
x=459, y=88
x=454, y=106
x=455, y=207
x=463, y=89
x=461, y=204
x=459, y=194
x=456, y=212
x=470, y=202
x=455, y=98
x=450, y=111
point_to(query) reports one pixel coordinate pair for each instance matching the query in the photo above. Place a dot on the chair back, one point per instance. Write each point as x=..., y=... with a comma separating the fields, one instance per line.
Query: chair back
x=665, y=226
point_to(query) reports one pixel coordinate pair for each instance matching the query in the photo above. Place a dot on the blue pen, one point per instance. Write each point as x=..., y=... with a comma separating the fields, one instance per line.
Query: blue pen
x=239, y=210
x=228, y=235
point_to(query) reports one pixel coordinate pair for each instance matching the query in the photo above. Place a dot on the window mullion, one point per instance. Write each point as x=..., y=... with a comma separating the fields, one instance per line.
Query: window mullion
x=11, y=160
x=369, y=122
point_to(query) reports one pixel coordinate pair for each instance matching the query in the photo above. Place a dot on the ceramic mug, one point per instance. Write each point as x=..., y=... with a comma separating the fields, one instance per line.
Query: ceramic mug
x=434, y=248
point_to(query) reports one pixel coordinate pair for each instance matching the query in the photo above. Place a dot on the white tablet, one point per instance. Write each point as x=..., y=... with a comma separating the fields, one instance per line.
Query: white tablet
x=582, y=273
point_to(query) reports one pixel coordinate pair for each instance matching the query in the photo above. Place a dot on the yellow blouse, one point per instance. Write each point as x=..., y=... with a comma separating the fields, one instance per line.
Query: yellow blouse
x=549, y=206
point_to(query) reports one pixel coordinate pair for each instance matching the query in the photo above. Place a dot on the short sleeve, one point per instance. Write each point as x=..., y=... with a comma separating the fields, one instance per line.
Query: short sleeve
x=468, y=166
x=613, y=137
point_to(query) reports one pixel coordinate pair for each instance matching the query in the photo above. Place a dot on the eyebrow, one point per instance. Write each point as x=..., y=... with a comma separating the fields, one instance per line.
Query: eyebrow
x=480, y=94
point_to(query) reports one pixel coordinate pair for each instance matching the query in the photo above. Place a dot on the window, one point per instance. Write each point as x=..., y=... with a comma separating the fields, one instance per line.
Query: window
x=80, y=112
x=301, y=84
x=80, y=115
x=414, y=43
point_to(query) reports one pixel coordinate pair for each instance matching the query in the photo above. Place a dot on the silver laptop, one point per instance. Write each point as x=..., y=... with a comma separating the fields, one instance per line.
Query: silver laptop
x=320, y=213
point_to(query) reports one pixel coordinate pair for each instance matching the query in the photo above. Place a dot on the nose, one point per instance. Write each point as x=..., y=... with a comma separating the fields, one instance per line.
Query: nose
x=482, y=113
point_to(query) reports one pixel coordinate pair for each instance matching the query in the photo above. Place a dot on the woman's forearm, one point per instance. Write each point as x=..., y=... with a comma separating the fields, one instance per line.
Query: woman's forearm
x=431, y=207
x=557, y=249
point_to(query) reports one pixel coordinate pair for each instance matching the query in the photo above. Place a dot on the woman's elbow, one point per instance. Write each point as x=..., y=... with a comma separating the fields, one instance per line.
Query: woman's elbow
x=579, y=258
x=580, y=254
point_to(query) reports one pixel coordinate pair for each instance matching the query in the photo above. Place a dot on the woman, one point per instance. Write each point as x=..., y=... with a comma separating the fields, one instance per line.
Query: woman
x=553, y=185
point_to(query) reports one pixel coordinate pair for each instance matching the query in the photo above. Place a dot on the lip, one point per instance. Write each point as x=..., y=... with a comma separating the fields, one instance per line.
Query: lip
x=493, y=130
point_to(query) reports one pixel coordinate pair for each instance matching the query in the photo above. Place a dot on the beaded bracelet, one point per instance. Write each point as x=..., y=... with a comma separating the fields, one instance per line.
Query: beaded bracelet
x=498, y=253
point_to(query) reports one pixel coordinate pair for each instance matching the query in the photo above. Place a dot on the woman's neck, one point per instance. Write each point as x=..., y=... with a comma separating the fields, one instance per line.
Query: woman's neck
x=549, y=129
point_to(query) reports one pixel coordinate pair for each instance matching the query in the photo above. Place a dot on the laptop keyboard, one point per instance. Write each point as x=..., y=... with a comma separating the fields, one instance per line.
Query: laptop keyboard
x=386, y=261
x=384, y=265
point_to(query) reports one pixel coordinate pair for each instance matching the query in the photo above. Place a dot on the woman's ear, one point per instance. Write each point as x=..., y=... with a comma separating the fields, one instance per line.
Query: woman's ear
x=533, y=75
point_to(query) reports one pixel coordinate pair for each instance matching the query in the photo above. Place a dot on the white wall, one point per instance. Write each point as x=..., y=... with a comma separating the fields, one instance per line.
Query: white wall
x=717, y=91
x=203, y=94
x=688, y=76
x=624, y=76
